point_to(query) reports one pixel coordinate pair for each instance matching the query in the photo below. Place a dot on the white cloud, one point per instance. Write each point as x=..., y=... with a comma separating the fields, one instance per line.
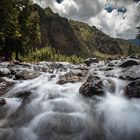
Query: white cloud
x=118, y=25
x=92, y=11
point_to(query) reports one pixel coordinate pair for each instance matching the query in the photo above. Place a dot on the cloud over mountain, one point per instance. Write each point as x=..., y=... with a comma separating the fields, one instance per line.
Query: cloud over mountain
x=119, y=21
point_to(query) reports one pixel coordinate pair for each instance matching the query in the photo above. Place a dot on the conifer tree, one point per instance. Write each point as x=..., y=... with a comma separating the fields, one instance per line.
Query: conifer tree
x=19, y=28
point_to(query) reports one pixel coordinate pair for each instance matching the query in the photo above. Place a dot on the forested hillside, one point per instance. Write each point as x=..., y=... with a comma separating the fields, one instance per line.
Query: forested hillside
x=19, y=28
x=29, y=32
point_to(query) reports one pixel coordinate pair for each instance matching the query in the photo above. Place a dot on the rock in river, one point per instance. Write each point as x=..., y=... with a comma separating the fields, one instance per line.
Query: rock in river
x=129, y=62
x=93, y=86
x=4, y=71
x=71, y=77
x=2, y=102
x=131, y=73
x=26, y=74
x=90, y=61
x=132, y=90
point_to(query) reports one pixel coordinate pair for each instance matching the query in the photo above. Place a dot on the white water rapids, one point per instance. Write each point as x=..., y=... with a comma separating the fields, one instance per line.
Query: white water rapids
x=59, y=112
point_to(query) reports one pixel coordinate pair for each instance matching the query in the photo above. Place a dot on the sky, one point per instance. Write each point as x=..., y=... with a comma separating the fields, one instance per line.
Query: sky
x=117, y=18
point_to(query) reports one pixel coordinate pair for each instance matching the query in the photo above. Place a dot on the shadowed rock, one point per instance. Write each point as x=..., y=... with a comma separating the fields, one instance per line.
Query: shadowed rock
x=132, y=90
x=132, y=73
x=93, y=86
x=23, y=94
x=2, y=102
x=25, y=75
x=71, y=77
x=129, y=62
x=90, y=61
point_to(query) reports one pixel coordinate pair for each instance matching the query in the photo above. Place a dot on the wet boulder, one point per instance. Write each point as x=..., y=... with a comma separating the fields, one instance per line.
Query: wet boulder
x=131, y=73
x=26, y=74
x=72, y=77
x=132, y=90
x=93, y=86
x=23, y=94
x=5, y=85
x=2, y=102
x=113, y=63
x=90, y=61
x=128, y=63
x=4, y=71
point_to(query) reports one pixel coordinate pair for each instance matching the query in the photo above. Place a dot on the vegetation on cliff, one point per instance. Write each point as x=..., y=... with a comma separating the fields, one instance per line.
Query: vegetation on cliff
x=26, y=31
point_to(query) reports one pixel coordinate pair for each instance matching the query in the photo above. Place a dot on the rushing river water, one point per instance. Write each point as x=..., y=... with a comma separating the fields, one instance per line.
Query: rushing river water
x=59, y=112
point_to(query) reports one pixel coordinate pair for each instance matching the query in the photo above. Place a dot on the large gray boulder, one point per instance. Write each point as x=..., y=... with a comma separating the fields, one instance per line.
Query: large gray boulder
x=4, y=71
x=132, y=90
x=26, y=74
x=72, y=76
x=128, y=63
x=131, y=73
x=5, y=85
x=93, y=86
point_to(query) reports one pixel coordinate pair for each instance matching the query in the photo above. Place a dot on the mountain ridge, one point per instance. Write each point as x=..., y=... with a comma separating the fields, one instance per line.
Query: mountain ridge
x=71, y=37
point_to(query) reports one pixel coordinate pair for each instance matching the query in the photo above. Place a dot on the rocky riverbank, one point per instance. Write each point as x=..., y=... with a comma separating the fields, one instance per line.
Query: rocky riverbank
x=97, y=100
x=127, y=69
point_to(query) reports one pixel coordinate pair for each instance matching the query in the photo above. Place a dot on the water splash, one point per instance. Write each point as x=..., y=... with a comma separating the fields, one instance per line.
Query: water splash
x=59, y=112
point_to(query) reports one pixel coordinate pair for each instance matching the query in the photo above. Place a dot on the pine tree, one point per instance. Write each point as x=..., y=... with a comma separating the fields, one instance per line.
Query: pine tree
x=19, y=28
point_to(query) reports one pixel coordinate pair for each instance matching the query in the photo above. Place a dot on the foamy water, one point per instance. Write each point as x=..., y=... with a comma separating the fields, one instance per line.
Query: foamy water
x=59, y=112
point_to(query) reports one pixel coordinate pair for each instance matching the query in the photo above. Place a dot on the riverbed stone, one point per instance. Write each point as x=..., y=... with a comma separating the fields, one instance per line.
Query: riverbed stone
x=5, y=85
x=131, y=73
x=90, y=61
x=129, y=63
x=93, y=86
x=23, y=94
x=26, y=74
x=2, y=102
x=71, y=77
x=4, y=71
x=132, y=90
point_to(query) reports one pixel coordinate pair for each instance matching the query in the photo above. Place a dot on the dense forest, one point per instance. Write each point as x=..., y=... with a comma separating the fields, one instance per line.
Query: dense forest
x=31, y=33
x=19, y=28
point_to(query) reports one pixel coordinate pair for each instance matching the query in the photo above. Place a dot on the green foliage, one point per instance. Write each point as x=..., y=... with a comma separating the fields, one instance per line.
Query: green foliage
x=49, y=11
x=26, y=28
x=49, y=54
x=19, y=27
x=103, y=56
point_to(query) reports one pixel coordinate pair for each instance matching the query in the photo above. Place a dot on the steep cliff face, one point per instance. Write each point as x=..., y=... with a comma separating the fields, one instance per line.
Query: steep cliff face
x=94, y=40
x=70, y=37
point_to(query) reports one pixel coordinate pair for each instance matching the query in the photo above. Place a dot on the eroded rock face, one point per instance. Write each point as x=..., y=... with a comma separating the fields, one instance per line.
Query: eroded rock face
x=132, y=90
x=93, y=86
x=129, y=62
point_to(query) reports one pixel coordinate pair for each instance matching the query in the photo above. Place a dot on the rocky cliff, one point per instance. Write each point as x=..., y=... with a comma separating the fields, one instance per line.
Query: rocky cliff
x=70, y=37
